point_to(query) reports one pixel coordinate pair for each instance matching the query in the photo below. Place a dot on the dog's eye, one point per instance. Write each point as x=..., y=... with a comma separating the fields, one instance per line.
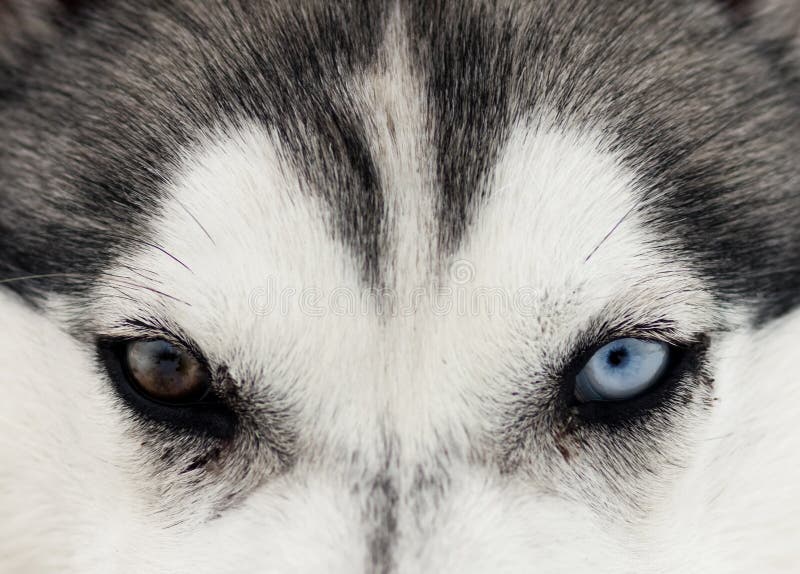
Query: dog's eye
x=165, y=372
x=166, y=383
x=622, y=370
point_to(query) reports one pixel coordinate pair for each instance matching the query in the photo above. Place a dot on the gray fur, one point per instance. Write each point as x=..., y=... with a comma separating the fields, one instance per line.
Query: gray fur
x=679, y=86
x=98, y=102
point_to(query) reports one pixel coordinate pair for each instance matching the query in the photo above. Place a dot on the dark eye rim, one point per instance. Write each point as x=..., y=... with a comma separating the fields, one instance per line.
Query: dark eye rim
x=196, y=398
x=208, y=415
x=685, y=362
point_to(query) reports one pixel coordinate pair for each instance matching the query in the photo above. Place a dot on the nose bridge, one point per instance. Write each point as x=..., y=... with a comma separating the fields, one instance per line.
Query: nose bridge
x=381, y=511
x=421, y=515
x=428, y=518
x=399, y=503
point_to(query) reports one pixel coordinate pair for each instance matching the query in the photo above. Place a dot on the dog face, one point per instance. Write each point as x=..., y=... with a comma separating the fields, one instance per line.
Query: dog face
x=348, y=288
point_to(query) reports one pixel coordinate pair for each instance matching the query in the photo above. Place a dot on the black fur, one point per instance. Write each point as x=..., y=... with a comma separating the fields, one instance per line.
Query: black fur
x=94, y=119
x=95, y=113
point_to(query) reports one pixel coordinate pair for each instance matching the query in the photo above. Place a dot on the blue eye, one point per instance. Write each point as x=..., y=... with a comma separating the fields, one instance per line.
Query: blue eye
x=621, y=370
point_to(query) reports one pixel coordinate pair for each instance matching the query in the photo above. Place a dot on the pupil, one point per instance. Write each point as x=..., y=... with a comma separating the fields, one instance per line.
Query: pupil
x=617, y=357
x=167, y=360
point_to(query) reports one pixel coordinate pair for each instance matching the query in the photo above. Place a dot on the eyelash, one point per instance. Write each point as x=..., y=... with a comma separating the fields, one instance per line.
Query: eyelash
x=210, y=417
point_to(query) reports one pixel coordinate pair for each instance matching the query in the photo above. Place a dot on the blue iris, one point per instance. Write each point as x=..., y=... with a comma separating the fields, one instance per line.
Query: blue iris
x=621, y=370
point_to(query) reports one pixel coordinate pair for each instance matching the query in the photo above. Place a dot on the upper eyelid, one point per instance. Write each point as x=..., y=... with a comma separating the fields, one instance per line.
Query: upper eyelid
x=648, y=333
x=154, y=329
x=602, y=330
x=600, y=333
x=137, y=328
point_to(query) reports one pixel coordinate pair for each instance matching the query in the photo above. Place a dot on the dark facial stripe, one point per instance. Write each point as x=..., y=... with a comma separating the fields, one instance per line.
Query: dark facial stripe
x=394, y=495
x=381, y=518
x=296, y=84
x=467, y=56
x=92, y=129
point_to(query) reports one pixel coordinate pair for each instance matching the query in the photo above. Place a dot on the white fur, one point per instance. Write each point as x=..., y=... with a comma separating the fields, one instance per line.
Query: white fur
x=241, y=222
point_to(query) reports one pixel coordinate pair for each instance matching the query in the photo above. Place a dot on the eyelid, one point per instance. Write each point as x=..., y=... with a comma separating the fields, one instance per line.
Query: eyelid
x=129, y=329
x=601, y=334
x=667, y=333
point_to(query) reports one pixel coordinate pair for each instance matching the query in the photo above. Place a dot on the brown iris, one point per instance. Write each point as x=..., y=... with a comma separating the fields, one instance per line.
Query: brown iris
x=166, y=372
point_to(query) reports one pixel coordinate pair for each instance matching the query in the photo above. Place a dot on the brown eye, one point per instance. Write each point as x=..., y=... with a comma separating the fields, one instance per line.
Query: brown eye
x=166, y=372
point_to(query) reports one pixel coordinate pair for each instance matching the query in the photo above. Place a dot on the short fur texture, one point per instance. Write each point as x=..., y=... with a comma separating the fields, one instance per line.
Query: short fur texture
x=394, y=230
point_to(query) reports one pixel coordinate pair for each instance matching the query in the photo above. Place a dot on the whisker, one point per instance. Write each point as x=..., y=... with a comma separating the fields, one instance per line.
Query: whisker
x=150, y=244
x=197, y=221
x=168, y=254
x=125, y=277
x=609, y=234
x=41, y=276
x=140, y=271
x=122, y=293
x=132, y=284
x=113, y=283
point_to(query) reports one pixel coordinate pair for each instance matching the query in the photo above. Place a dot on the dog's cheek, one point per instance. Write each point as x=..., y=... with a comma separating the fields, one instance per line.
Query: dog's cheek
x=742, y=482
x=61, y=450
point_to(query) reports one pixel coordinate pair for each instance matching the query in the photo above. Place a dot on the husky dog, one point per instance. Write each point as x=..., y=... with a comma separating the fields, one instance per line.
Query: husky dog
x=401, y=286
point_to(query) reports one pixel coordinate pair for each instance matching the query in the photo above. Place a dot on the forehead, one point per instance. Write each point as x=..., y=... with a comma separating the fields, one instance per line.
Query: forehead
x=360, y=101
